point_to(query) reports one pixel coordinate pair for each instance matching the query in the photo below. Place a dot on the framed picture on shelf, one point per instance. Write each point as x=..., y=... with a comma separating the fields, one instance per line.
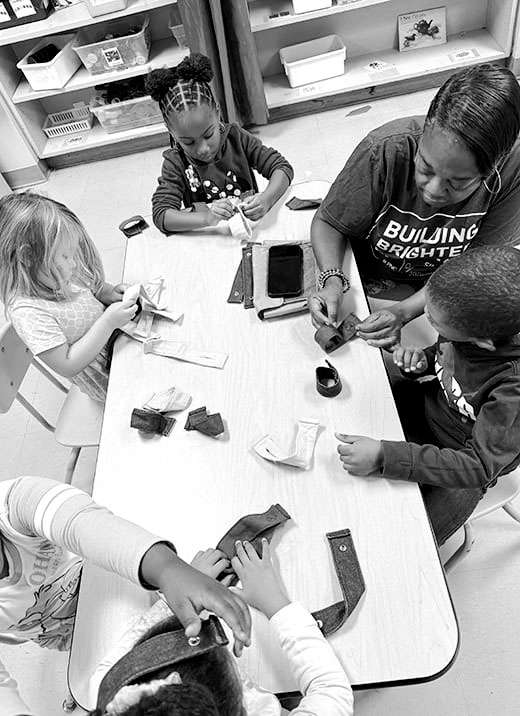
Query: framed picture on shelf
x=423, y=28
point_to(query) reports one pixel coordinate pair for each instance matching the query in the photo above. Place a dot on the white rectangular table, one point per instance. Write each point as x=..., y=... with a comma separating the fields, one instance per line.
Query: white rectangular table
x=191, y=488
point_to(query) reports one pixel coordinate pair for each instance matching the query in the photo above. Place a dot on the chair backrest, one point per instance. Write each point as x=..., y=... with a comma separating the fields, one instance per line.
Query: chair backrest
x=15, y=359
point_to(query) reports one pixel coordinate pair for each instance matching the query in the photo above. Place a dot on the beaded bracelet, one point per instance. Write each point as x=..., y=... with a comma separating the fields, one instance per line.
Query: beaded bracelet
x=328, y=273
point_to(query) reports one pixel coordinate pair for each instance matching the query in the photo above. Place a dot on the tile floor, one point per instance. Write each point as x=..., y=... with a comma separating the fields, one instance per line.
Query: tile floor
x=485, y=588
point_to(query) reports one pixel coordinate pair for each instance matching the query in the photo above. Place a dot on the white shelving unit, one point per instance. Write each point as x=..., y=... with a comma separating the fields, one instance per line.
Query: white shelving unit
x=478, y=31
x=31, y=107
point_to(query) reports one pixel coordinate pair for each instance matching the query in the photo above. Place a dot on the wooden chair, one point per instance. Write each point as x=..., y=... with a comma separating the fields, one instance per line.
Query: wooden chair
x=80, y=417
x=499, y=496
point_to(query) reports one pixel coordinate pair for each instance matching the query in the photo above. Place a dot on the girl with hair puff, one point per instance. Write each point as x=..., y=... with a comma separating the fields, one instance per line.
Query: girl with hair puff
x=211, y=162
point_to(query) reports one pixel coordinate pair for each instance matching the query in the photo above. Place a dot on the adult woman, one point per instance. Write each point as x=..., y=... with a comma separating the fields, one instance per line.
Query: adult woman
x=415, y=193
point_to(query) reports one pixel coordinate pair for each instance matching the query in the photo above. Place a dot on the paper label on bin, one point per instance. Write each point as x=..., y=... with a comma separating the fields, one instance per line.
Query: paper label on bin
x=112, y=56
x=23, y=8
x=4, y=15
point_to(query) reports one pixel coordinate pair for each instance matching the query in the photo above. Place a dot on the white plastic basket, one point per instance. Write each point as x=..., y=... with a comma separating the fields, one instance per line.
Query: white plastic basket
x=70, y=121
x=56, y=73
x=310, y=5
x=131, y=113
x=313, y=61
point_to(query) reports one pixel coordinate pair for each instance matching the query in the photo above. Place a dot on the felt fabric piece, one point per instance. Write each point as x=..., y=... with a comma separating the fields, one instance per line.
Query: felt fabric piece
x=158, y=652
x=182, y=351
x=168, y=401
x=300, y=455
x=147, y=421
x=330, y=338
x=350, y=579
x=297, y=204
x=252, y=528
x=236, y=295
x=328, y=382
x=199, y=419
x=267, y=307
x=133, y=226
x=242, y=288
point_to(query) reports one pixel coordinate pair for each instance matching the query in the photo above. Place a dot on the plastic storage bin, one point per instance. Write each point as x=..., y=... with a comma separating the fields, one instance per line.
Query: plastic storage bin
x=70, y=121
x=103, y=7
x=315, y=60
x=118, y=116
x=17, y=13
x=179, y=34
x=57, y=72
x=124, y=50
x=310, y=5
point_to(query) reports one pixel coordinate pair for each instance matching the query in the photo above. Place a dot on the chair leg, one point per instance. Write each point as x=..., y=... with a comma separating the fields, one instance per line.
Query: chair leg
x=71, y=465
x=68, y=704
x=463, y=550
x=512, y=511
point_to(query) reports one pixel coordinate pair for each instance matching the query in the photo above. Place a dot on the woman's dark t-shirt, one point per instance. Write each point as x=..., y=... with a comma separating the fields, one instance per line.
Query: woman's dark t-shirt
x=375, y=203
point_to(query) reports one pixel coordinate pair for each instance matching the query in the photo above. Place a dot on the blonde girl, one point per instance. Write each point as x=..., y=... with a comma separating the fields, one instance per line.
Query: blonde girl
x=53, y=289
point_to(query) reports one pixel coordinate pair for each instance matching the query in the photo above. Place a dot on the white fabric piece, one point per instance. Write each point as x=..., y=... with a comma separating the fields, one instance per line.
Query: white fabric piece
x=182, y=351
x=168, y=401
x=302, y=453
x=131, y=695
x=239, y=226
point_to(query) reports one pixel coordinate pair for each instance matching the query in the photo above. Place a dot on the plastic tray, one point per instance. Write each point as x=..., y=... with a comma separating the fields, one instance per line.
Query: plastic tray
x=313, y=61
x=119, y=53
x=57, y=72
x=118, y=116
x=70, y=121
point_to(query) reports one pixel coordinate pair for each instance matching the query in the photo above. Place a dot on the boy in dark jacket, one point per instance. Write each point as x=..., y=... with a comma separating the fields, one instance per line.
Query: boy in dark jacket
x=462, y=424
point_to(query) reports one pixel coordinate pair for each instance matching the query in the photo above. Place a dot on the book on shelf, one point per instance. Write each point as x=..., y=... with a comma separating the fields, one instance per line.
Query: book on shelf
x=422, y=28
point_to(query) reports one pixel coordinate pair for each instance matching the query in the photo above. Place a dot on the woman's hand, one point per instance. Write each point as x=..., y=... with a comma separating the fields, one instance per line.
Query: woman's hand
x=256, y=206
x=262, y=587
x=211, y=562
x=410, y=359
x=382, y=329
x=188, y=592
x=360, y=455
x=324, y=304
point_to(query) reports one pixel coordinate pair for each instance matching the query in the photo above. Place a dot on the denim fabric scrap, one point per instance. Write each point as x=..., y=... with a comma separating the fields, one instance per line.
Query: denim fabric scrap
x=207, y=424
x=157, y=652
x=350, y=579
x=252, y=528
x=149, y=421
x=330, y=338
x=297, y=204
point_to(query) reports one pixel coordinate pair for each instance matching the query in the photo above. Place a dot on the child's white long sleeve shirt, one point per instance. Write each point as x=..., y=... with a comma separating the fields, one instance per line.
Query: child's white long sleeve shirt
x=320, y=677
x=46, y=528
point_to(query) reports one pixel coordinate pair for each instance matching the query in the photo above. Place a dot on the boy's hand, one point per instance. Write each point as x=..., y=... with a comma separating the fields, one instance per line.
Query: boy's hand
x=211, y=562
x=360, y=455
x=410, y=359
x=382, y=329
x=261, y=584
x=118, y=314
x=256, y=206
x=188, y=592
x=222, y=208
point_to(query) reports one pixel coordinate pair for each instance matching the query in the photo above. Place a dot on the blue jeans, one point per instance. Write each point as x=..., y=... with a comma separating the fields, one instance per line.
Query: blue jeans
x=448, y=508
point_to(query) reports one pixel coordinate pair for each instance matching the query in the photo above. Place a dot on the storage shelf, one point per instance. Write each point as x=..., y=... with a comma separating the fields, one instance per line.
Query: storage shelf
x=410, y=64
x=96, y=137
x=164, y=53
x=71, y=18
x=260, y=10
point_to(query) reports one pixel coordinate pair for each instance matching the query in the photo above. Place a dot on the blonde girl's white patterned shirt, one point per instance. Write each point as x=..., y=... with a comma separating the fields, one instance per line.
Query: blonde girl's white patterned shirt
x=43, y=324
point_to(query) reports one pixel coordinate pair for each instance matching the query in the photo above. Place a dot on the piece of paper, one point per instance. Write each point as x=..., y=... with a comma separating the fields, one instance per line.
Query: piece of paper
x=183, y=351
x=300, y=455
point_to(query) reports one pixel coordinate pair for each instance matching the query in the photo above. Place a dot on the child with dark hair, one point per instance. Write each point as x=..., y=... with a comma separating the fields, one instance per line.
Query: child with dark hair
x=202, y=679
x=211, y=162
x=47, y=530
x=462, y=426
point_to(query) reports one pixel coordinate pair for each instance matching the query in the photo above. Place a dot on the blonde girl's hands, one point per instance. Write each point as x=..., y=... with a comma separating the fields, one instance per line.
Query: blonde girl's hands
x=262, y=587
x=212, y=562
x=255, y=207
x=410, y=360
x=119, y=313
